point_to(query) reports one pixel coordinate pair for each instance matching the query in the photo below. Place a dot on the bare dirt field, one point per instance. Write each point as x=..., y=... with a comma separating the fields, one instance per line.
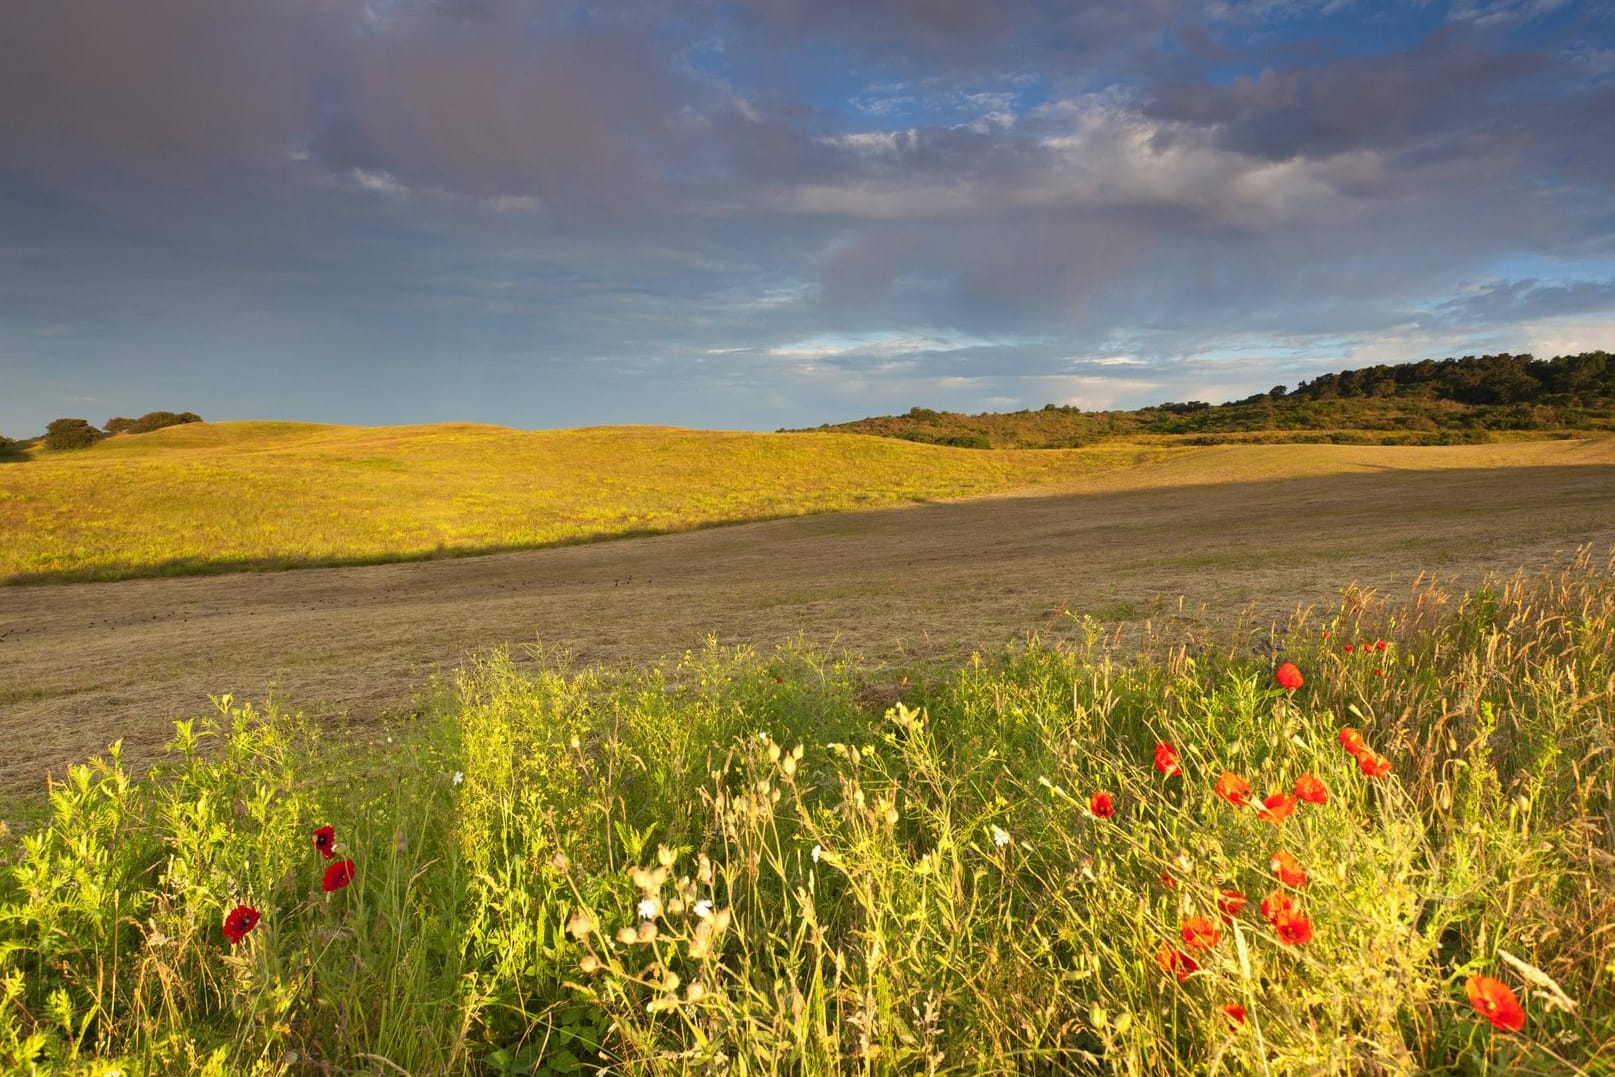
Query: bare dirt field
x=83, y=664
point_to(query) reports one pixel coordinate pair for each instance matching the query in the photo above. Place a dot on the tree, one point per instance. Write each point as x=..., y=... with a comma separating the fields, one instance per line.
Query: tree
x=71, y=434
x=152, y=420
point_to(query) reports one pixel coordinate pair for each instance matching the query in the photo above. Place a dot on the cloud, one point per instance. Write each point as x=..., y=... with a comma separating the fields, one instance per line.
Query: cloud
x=1502, y=302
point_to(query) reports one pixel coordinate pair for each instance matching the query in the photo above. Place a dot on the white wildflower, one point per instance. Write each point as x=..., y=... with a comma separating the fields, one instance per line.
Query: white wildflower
x=459, y=777
x=1000, y=836
x=818, y=851
x=703, y=909
x=648, y=908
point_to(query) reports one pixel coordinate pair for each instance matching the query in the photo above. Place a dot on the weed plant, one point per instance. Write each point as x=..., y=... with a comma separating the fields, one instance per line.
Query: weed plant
x=731, y=864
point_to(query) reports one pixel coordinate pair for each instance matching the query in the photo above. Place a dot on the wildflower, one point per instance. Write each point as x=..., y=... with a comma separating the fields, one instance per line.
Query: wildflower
x=703, y=909
x=1311, y=790
x=1352, y=741
x=1166, y=759
x=325, y=841
x=1288, y=676
x=588, y=964
x=1276, y=808
x=1200, y=933
x=1175, y=961
x=1102, y=805
x=1229, y=902
x=1496, y=1002
x=1277, y=904
x=1000, y=836
x=1167, y=880
x=1234, y=1012
x=1380, y=645
x=648, y=908
x=238, y=921
x=1292, y=928
x=1375, y=766
x=338, y=875
x=818, y=851
x=1348, y=648
x=1288, y=869
x=459, y=777
x=1234, y=789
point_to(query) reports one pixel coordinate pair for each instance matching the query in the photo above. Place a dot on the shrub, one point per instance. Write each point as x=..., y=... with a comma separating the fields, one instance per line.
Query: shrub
x=152, y=420
x=71, y=434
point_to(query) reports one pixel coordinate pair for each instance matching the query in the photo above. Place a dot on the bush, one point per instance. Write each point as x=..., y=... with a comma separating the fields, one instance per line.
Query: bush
x=152, y=420
x=71, y=434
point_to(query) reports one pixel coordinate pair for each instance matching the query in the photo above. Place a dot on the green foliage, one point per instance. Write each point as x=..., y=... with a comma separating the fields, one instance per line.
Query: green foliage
x=729, y=864
x=1428, y=402
x=152, y=420
x=71, y=434
x=10, y=449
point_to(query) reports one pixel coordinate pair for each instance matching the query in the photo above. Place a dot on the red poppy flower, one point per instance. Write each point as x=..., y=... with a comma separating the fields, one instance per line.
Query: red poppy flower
x=1380, y=645
x=1326, y=633
x=1229, y=902
x=1375, y=766
x=1234, y=1012
x=1496, y=1002
x=1348, y=648
x=1277, y=904
x=1276, y=808
x=1292, y=928
x=1352, y=741
x=1234, y=789
x=238, y=921
x=1288, y=869
x=325, y=841
x=1166, y=759
x=1167, y=880
x=1288, y=676
x=1311, y=790
x=338, y=875
x=1102, y=804
x=1175, y=961
x=1200, y=933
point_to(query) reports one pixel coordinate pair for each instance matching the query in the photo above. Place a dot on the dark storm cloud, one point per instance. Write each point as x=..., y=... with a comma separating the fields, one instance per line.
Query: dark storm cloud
x=163, y=89
x=1453, y=81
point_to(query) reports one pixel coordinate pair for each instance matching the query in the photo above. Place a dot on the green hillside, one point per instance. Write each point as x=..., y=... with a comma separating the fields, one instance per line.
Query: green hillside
x=1453, y=401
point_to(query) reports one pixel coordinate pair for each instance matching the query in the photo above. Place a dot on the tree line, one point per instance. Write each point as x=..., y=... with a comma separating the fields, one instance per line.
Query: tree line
x=63, y=434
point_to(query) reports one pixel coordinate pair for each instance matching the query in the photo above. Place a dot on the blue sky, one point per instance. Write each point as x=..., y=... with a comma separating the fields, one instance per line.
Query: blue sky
x=768, y=213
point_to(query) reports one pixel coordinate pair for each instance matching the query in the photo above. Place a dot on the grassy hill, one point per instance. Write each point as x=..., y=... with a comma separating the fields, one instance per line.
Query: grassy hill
x=1455, y=401
x=209, y=496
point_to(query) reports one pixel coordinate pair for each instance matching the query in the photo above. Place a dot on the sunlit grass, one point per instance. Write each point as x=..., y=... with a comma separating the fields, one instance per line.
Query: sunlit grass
x=735, y=864
x=214, y=496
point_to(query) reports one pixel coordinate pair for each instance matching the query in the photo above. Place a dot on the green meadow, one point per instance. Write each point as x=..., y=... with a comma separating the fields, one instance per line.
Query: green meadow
x=221, y=496
x=736, y=863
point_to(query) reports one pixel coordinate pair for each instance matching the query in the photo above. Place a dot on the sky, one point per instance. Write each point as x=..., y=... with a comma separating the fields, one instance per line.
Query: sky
x=776, y=213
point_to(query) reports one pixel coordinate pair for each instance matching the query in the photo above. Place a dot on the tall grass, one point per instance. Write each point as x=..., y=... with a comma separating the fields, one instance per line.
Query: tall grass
x=735, y=864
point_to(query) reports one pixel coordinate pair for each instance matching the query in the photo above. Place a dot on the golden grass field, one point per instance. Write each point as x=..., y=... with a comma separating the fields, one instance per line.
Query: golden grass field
x=1252, y=531
x=268, y=494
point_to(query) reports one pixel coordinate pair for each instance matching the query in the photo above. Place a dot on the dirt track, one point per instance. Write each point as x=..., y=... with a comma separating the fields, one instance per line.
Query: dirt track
x=81, y=665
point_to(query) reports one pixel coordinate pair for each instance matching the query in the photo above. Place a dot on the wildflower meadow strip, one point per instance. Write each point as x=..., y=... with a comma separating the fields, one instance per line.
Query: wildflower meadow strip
x=1061, y=859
